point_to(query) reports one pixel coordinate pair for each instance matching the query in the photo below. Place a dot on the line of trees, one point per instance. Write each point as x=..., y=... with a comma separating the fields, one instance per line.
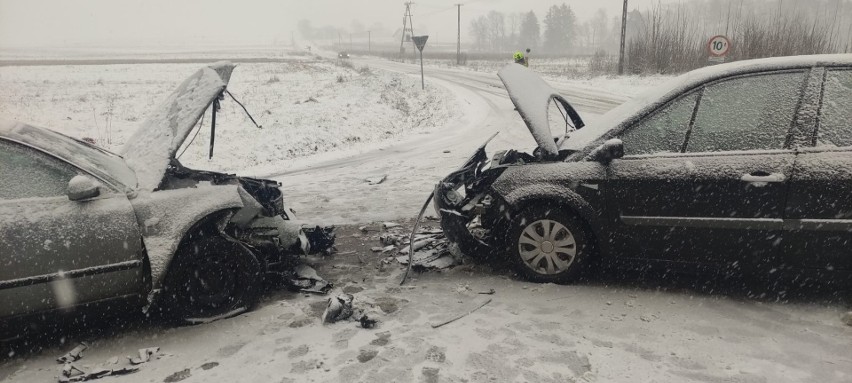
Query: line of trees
x=559, y=33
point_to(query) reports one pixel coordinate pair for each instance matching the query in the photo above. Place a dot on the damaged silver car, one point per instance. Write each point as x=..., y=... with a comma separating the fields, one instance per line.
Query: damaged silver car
x=80, y=225
x=734, y=169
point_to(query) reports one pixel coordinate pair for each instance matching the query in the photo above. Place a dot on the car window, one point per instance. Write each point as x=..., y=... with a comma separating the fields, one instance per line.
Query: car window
x=746, y=113
x=835, y=121
x=27, y=173
x=663, y=131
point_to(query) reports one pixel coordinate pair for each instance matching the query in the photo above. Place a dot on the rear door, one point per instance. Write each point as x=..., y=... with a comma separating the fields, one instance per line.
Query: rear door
x=55, y=252
x=718, y=197
x=819, y=210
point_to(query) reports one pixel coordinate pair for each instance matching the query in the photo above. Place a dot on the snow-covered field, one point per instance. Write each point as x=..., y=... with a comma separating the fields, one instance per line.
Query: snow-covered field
x=304, y=108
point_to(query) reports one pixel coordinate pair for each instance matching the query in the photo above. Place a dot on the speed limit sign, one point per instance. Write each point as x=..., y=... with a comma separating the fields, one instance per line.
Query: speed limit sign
x=718, y=46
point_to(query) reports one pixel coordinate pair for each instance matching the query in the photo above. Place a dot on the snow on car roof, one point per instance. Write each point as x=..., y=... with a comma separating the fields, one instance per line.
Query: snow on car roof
x=100, y=162
x=150, y=149
x=647, y=102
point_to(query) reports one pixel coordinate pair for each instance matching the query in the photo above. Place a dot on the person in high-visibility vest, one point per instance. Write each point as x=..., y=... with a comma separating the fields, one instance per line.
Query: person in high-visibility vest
x=521, y=59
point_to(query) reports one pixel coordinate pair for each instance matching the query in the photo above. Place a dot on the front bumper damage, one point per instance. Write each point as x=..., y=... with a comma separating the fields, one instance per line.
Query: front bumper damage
x=472, y=213
x=258, y=218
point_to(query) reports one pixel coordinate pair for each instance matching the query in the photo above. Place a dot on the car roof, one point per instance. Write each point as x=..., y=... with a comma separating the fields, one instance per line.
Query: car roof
x=104, y=165
x=649, y=101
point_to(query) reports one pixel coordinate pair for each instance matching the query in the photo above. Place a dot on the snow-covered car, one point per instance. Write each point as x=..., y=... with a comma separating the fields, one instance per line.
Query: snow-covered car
x=739, y=168
x=81, y=225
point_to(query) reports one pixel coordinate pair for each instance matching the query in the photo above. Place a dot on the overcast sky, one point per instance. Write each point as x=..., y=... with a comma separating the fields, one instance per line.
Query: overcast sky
x=128, y=23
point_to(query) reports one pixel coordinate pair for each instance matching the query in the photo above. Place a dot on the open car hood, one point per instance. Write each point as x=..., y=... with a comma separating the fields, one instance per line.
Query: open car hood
x=150, y=149
x=532, y=96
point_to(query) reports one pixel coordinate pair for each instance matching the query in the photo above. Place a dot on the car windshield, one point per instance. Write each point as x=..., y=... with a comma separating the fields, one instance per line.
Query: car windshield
x=100, y=162
x=597, y=128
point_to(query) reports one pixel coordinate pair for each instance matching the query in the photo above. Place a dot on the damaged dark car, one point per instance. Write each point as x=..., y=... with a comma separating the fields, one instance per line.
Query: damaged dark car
x=83, y=226
x=739, y=168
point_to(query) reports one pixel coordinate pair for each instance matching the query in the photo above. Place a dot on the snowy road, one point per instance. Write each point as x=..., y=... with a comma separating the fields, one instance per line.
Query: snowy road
x=618, y=331
x=335, y=190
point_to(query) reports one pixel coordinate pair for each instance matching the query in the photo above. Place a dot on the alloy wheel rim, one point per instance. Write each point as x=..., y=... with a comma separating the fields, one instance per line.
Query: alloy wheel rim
x=547, y=247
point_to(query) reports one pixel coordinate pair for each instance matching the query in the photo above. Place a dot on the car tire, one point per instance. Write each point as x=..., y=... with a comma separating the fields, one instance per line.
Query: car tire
x=211, y=278
x=549, y=244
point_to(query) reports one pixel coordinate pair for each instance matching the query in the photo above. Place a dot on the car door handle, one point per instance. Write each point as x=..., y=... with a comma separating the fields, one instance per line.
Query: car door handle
x=762, y=177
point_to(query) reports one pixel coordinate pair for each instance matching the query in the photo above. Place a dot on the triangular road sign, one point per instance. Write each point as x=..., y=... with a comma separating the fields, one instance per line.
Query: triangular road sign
x=420, y=41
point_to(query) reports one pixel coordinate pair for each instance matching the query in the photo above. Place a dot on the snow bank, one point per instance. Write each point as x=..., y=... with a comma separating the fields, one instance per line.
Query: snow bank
x=305, y=109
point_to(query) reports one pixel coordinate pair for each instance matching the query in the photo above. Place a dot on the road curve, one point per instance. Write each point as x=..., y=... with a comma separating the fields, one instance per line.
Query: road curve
x=334, y=191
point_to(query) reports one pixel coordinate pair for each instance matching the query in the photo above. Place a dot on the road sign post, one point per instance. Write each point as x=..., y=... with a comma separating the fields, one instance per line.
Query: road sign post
x=420, y=42
x=718, y=47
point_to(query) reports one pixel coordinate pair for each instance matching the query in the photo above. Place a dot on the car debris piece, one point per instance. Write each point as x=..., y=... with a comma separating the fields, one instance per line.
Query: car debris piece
x=417, y=246
x=320, y=238
x=145, y=355
x=377, y=179
x=339, y=308
x=366, y=322
x=307, y=280
x=389, y=225
x=475, y=305
x=71, y=373
x=489, y=292
x=74, y=355
x=377, y=249
x=389, y=240
x=229, y=314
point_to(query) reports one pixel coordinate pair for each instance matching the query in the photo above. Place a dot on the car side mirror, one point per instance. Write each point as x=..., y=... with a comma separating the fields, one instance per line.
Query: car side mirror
x=82, y=187
x=610, y=150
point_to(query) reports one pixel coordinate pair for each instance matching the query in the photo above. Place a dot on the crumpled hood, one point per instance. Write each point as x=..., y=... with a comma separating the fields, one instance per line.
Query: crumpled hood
x=150, y=149
x=531, y=96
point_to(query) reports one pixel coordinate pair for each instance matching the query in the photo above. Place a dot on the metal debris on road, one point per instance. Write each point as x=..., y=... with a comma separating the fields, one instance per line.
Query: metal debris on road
x=376, y=180
x=145, y=355
x=307, y=280
x=342, y=308
x=366, y=322
x=339, y=308
x=75, y=354
x=475, y=305
x=73, y=373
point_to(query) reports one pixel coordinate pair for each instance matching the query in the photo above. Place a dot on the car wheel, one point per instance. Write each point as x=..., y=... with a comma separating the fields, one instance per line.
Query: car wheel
x=211, y=278
x=548, y=244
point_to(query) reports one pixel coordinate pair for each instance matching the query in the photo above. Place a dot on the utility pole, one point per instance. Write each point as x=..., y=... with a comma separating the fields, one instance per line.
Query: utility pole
x=407, y=25
x=623, y=33
x=350, y=41
x=458, y=37
x=369, y=42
